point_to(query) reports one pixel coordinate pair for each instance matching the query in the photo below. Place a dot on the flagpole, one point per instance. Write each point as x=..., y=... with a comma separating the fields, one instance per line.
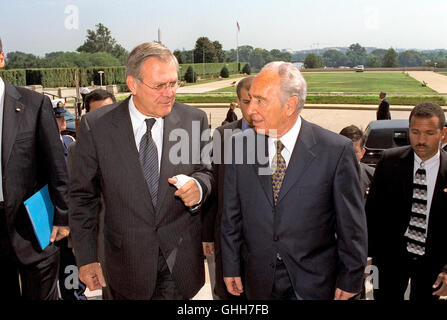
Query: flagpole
x=237, y=47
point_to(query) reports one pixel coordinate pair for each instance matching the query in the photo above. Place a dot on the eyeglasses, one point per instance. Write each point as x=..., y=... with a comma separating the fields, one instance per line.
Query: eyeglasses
x=162, y=86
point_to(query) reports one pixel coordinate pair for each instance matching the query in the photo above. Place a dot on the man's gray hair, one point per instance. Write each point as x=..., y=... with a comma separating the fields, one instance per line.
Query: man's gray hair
x=144, y=51
x=292, y=82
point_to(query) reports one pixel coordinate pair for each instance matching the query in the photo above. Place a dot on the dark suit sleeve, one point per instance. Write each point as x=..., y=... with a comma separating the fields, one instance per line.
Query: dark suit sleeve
x=351, y=223
x=377, y=196
x=231, y=227
x=51, y=148
x=203, y=171
x=84, y=196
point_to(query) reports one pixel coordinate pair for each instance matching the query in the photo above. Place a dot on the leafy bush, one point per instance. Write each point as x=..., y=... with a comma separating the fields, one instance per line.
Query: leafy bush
x=224, y=73
x=246, y=69
x=190, y=75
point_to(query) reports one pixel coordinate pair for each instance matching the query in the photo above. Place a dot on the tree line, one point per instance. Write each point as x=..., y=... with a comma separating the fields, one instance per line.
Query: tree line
x=358, y=55
x=101, y=49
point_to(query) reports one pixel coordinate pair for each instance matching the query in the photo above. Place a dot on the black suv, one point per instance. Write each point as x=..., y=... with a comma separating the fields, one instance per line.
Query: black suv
x=384, y=134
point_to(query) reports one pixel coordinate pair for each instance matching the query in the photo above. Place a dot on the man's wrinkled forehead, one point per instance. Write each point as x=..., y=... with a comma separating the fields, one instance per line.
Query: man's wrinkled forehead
x=265, y=82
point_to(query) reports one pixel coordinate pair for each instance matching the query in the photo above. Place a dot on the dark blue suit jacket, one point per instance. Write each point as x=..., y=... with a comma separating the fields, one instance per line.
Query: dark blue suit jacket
x=318, y=225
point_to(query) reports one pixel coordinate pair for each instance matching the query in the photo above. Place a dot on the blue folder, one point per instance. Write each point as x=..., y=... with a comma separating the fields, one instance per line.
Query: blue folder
x=41, y=213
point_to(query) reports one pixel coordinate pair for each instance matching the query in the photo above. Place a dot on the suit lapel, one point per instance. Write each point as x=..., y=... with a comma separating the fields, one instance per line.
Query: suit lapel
x=124, y=140
x=439, y=193
x=300, y=160
x=167, y=169
x=264, y=178
x=11, y=120
x=404, y=168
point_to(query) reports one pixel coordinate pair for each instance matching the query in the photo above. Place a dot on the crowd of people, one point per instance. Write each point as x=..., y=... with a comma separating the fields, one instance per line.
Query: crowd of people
x=281, y=208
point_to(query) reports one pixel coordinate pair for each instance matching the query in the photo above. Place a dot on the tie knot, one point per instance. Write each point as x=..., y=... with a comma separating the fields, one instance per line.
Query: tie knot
x=149, y=124
x=279, y=146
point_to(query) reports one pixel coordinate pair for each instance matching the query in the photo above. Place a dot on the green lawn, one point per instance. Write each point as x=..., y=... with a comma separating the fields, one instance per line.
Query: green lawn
x=359, y=82
x=443, y=73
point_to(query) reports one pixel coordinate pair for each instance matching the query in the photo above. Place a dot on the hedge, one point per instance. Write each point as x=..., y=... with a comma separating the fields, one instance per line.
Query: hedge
x=65, y=77
x=16, y=77
x=211, y=69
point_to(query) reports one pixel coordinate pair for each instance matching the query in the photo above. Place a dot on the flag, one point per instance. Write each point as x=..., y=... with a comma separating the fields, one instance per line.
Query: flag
x=238, y=27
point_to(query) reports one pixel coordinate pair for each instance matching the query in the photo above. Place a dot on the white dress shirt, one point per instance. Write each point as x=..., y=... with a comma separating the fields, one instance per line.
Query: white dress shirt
x=139, y=130
x=288, y=140
x=431, y=167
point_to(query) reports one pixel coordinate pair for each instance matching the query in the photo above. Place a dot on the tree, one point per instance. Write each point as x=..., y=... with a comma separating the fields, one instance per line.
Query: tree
x=246, y=69
x=18, y=60
x=410, y=58
x=100, y=40
x=313, y=61
x=180, y=56
x=356, y=54
x=334, y=58
x=224, y=73
x=390, y=59
x=190, y=75
x=373, y=61
x=204, y=48
x=220, y=53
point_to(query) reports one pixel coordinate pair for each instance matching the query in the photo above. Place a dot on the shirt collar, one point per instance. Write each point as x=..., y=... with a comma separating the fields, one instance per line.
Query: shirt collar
x=289, y=139
x=137, y=117
x=428, y=162
x=2, y=88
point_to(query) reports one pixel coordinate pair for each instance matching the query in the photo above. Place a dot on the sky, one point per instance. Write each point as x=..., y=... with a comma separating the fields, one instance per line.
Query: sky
x=42, y=26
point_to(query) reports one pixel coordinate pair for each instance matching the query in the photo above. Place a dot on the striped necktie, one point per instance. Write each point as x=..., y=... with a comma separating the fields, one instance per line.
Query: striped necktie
x=417, y=228
x=149, y=161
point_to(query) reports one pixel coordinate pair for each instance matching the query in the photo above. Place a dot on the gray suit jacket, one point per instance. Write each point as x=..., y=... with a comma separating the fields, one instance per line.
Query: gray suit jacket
x=106, y=161
x=318, y=225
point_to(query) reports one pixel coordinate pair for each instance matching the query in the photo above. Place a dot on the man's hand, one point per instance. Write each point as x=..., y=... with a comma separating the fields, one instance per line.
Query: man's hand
x=189, y=192
x=59, y=233
x=208, y=249
x=91, y=275
x=343, y=295
x=442, y=279
x=234, y=285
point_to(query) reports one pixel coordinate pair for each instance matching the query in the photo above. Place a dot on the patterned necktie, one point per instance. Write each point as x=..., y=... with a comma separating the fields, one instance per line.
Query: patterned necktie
x=418, y=222
x=149, y=161
x=280, y=170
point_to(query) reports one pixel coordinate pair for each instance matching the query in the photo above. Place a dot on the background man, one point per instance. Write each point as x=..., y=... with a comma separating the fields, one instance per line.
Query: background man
x=98, y=98
x=152, y=233
x=383, y=112
x=358, y=141
x=213, y=210
x=406, y=212
x=31, y=157
x=300, y=232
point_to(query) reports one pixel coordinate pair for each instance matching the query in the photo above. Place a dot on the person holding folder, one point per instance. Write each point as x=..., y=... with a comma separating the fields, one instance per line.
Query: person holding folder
x=31, y=157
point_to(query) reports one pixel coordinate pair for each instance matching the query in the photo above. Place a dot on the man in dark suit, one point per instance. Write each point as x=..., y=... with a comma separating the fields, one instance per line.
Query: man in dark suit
x=383, y=112
x=136, y=153
x=366, y=173
x=294, y=215
x=406, y=212
x=31, y=157
x=212, y=212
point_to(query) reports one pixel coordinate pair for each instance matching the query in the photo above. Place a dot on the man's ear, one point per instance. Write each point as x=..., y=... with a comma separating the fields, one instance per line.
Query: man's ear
x=131, y=84
x=444, y=135
x=291, y=105
x=2, y=60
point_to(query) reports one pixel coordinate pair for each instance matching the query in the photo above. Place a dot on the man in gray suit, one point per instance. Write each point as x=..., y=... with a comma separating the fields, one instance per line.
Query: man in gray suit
x=299, y=230
x=128, y=152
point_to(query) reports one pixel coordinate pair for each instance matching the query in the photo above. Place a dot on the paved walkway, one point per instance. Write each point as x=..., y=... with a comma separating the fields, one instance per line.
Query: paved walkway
x=210, y=86
x=436, y=81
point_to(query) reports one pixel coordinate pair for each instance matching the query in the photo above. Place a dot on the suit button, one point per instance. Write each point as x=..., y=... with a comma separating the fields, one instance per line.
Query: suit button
x=275, y=238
